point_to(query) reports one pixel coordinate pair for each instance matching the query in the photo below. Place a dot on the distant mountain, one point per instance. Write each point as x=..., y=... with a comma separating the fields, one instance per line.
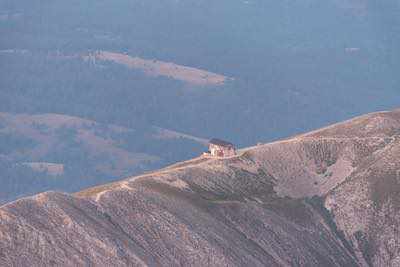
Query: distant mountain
x=297, y=65
x=52, y=151
x=325, y=198
x=94, y=91
x=158, y=68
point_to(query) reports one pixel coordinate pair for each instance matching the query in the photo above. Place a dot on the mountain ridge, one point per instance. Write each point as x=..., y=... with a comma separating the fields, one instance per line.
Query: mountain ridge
x=281, y=204
x=53, y=151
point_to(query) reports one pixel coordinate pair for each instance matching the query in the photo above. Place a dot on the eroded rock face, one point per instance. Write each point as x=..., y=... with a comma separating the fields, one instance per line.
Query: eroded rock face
x=327, y=198
x=367, y=206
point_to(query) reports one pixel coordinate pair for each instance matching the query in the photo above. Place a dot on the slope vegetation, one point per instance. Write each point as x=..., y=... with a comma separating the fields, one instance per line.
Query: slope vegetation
x=326, y=198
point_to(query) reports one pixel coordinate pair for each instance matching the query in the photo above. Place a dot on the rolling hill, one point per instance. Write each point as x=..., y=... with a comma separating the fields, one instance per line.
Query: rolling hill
x=156, y=68
x=52, y=151
x=325, y=198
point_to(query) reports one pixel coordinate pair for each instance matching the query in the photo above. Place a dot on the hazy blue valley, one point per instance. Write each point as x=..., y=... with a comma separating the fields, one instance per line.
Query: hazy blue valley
x=291, y=66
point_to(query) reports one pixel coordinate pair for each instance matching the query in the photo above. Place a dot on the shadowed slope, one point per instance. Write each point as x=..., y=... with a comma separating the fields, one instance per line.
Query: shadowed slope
x=157, y=224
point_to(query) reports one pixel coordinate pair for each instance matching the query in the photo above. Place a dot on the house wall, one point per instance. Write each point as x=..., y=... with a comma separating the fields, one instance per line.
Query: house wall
x=221, y=151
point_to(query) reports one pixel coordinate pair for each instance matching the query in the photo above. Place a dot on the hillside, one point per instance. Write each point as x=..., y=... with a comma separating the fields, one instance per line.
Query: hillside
x=59, y=152
x=158, y=68
x=325, y=198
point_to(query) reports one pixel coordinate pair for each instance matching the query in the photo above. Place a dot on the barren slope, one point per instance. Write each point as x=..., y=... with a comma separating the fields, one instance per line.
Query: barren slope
x=354, y=167
x=264, y=207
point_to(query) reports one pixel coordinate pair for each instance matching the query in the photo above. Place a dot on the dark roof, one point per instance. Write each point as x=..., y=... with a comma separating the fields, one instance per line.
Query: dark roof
x=220, y=142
